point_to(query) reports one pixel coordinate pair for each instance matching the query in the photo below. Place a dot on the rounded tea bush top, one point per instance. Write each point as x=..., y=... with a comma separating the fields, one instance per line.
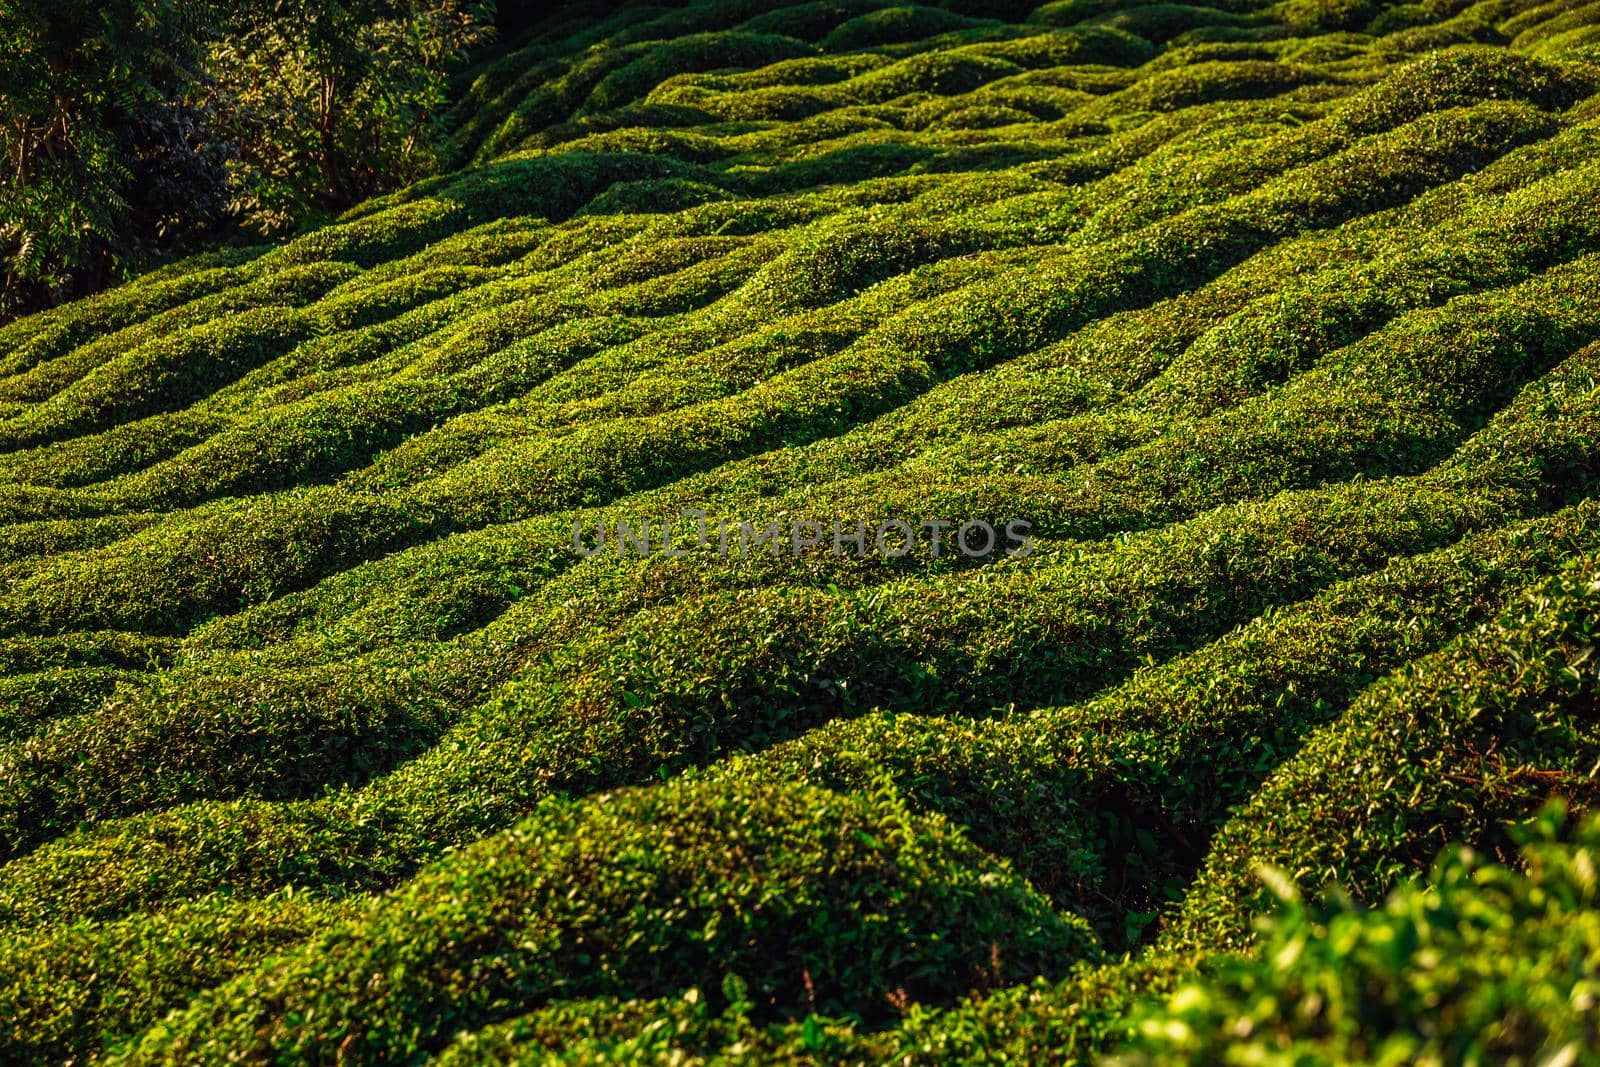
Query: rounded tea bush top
x=815, y=901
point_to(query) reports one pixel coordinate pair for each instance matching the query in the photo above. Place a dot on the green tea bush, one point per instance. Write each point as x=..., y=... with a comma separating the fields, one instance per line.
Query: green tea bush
x=71, y=992
x=1478, y=960
x=808, y=898
x=1497, y=720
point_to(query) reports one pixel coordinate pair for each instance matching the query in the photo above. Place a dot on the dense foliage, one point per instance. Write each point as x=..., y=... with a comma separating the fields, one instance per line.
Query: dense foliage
x=1480, y=964
x=131, y=128
x=103, y=146
x=319, y=742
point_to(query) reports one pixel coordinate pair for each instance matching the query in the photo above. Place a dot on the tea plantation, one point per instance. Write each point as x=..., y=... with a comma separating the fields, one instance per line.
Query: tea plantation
x=322, y=741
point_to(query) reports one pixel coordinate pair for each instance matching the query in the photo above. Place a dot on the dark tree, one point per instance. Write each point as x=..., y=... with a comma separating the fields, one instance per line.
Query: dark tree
x=129, y=129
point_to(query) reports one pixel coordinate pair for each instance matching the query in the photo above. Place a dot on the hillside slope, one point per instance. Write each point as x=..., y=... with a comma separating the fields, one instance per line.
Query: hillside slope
x=1280, y=326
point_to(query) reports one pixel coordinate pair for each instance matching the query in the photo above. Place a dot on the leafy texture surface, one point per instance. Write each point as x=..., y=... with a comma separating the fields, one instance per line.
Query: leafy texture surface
x=1280, y=325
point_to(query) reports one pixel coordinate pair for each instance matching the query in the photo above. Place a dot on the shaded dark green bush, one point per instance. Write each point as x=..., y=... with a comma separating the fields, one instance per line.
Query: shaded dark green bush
x=73, y=991
x=1450, y=746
